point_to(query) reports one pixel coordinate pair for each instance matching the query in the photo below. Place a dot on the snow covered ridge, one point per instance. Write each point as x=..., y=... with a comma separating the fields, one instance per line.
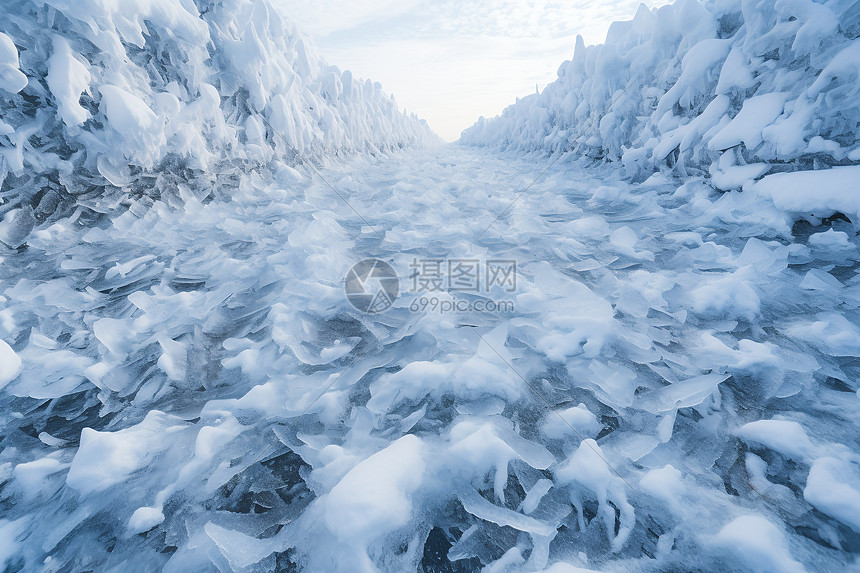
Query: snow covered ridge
x=99, y=94
x=731, y=89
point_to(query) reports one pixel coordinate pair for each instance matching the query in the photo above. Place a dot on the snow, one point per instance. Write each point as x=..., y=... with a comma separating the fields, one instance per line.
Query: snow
x=746, y=127
x=67, y=79
x=589, y=468
x=105, y=459
x=833, y=487
x=374, y=497
x=186, y=384
x=144, y=519
x=132, y=88
x=784, y=436
x=576, y=420
x=759, y=544
x=11, y=78
x=728, y=90
x=820, y=193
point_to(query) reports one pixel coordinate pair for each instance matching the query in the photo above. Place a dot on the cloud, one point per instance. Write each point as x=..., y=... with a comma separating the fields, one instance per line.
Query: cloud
x=451, y=61
x=453, y=82
x=321, y=18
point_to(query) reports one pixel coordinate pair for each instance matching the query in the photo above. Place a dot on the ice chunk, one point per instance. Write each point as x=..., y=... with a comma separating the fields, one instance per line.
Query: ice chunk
x=682, y=394
x=830, y=239
x=513, y=557
x=737, y=176
x=105, y=459
x=663, y=483
x=10, y=364
x=582, y=321
x=9, y=540
x=821, y=192
x=726, y=296
x=127, y=113
x=833, y=487
x=288, y=176
x=757, y=113
x=783, y=436
x=132, y=119
x=845, y=66
x=173, y=359
x=624, y=240
x=375, y=497
x=735, y=74
x=588, y=467
x=696, y=66
x=558, y=424
x=479, y=445
x=566, y=568
x=116, y=334
x=483, y=509
x=758, y=544
x=11, y=78
x=16, y=226
x=413, y=382
x=832, y=333
x=240, y=550
x=145, y=518
x=67, y=79
x=819, y=280
x=535, y=495
x=31, y=476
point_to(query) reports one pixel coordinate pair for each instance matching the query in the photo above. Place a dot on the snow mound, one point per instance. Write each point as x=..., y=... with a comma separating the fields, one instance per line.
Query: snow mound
x=725, y=89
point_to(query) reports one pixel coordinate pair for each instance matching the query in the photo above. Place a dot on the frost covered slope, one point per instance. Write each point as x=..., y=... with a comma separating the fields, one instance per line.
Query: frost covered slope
x=731, y=89
x=147, y=96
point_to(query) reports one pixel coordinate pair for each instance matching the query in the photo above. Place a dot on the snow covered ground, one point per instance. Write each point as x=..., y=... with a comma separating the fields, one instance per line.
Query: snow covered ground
x=671, y=383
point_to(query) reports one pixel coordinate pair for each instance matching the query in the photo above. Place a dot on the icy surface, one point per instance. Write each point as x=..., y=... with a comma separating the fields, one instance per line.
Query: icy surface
x=171, y=359
x=185, y=385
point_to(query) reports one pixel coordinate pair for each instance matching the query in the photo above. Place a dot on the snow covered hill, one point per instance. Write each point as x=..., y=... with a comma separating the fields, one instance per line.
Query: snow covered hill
x=729, y=89
x=103, y=102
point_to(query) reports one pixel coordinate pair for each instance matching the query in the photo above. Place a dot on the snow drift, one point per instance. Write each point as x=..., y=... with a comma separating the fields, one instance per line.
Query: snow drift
x=727, y=89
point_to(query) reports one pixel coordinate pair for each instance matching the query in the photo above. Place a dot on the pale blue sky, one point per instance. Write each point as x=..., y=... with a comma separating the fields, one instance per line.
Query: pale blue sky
x=451, y=61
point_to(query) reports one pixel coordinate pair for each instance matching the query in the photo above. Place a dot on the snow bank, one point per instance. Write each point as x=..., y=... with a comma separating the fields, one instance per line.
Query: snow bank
x=105, y=100
x=727, y=89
